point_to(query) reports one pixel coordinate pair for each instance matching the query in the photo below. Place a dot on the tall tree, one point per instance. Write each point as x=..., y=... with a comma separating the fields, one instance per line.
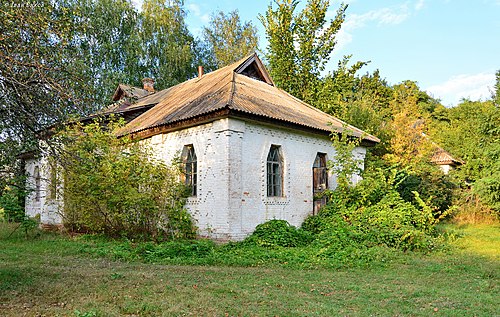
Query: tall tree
x=496, y=92
x=228, y=40
x=110, y=41
x=300, y=44
x=41, y=75
x=167, y=43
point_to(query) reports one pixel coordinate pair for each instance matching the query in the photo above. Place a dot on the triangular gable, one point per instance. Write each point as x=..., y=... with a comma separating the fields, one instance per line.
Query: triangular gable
x=442, y=157
x=126, y=91
x=254, y=68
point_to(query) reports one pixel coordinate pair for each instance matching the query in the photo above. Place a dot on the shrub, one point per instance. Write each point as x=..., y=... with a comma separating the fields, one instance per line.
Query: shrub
x=370, y=214
x=278, y=233
x=9, y=202
x=434, y=187
x=115, y=186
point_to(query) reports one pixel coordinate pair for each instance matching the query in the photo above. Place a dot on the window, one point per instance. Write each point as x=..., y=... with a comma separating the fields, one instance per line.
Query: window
x=53, y=181
x=274, y=172
x=320, y=173
x=190, y=168
x=320, y=182
x=36, y=174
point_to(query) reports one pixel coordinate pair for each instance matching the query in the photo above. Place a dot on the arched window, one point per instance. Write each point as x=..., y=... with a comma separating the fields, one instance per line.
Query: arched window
x=320, y=181
x=190, y=168
x=53, y=181
x=274, y=172
x=320, y=173
x=36, y=174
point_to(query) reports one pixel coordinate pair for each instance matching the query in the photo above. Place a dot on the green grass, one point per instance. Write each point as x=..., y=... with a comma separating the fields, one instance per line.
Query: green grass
x=50, y=275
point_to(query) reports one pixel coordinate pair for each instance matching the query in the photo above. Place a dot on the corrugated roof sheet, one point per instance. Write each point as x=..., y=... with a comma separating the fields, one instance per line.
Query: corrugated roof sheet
x=226, y=89
x=442, y=157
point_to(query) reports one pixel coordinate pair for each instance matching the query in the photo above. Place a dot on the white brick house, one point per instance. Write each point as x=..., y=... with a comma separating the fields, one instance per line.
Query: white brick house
x=252, y=152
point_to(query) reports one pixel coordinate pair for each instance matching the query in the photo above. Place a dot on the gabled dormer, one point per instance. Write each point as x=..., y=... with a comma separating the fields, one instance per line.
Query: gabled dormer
x=254, y=68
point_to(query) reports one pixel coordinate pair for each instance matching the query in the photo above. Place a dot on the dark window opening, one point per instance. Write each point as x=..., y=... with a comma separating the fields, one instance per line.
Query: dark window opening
x=274, y=172
x=320, y=181
x=190, y=169
x=37, y=183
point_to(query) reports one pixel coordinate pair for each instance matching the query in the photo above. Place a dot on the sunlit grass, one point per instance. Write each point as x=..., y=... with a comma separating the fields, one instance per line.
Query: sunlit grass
x=481, y=240
x=53, y=275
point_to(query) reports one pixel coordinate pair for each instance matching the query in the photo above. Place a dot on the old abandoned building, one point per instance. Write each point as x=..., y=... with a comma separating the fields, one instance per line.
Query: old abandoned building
x=251, y=151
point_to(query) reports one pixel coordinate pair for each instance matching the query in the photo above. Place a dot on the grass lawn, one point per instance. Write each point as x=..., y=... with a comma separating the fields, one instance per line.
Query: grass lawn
x=54, y=276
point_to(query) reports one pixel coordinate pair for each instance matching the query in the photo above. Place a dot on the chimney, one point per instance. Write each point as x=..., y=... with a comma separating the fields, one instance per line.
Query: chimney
x=200, y=71
x=148, y=84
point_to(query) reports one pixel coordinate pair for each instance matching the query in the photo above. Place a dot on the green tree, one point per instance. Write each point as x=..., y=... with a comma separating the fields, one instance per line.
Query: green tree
x=166, y=43
x=300, y=44
x=41, y=75
x=109, y=40
x=228, y=40
x=116, y=187
x=471, y=131
x=496, y=92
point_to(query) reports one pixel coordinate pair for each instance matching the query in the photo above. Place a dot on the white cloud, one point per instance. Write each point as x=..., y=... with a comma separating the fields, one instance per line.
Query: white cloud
x=383, y=16
x=387, y=16
x=473, y=87
x=419, y=5
x=195, y=9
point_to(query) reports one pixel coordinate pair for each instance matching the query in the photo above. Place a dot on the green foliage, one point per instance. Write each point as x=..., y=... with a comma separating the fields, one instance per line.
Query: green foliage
x=471, y=132
x=13, y=211
x=434, y=187
x=116, y=187
x=344, y=164
x=90, y=313
x=228, y=40
x=496, y=93
x=300, y=44
x=373, y=214
x=278, y=233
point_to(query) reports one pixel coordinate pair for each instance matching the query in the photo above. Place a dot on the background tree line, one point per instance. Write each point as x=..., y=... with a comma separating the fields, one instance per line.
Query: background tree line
x=409, y=122
x=65, y=58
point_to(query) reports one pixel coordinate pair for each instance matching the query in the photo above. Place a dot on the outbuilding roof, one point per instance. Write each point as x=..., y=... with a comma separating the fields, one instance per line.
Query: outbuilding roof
x=442, y=157
x=243, y=89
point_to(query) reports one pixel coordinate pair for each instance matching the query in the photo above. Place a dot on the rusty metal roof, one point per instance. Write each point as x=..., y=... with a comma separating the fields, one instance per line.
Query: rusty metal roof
x=442, y=157
x=230, y=88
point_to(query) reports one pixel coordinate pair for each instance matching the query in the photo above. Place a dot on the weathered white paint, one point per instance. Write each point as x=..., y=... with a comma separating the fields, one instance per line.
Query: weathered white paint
x=46, y=208
x=446, y=168
x=232, y=197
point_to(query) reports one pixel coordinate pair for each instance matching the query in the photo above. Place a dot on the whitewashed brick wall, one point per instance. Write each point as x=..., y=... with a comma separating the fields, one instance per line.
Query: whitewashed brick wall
x=232, y=194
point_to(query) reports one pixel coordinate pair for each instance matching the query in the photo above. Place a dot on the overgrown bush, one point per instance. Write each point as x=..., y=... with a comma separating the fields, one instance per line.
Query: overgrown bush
x=13, y=211
x=115, y=186
x=434, y=187
x=278, y=233
x=371, y=214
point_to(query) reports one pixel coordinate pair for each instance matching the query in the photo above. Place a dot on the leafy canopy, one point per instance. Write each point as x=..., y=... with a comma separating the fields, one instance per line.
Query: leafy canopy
x=116, y=187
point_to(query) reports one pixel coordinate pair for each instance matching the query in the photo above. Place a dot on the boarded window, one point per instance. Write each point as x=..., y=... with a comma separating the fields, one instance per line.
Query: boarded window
x=274, y=172
x=36, y=174
x=320, y=181
x=190, y=168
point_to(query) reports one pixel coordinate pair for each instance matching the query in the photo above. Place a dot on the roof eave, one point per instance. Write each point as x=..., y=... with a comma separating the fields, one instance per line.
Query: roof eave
x=226, y=112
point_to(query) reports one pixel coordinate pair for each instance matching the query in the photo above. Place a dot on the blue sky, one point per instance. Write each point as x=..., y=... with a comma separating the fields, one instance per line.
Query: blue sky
x=450, y=47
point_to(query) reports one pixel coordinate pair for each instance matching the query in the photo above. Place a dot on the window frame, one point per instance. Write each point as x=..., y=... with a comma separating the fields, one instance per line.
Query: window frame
x=274, y=172
x=190, y=169
x=38, y=181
